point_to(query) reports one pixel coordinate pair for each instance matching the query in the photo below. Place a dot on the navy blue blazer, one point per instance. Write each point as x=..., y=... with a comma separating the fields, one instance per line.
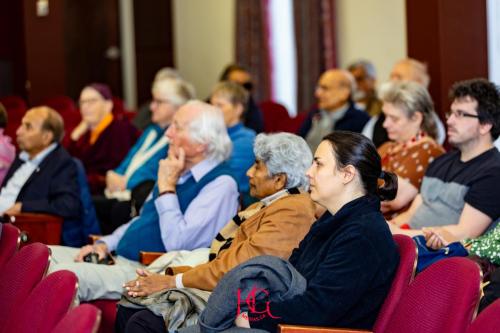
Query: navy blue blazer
x=52, y=189
x=354, y=120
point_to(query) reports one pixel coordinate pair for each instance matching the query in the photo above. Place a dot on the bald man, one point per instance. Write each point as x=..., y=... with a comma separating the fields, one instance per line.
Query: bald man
x=335, y=108
x=43, y=177
x=410, y=70
x=407, y=69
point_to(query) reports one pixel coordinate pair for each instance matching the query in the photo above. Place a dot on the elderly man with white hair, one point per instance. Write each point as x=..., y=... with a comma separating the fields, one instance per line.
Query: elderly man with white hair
x=273, y=226
x=194, y=197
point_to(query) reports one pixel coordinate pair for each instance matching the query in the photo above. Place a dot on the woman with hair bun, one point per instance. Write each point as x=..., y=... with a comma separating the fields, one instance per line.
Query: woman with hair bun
x=342, y=270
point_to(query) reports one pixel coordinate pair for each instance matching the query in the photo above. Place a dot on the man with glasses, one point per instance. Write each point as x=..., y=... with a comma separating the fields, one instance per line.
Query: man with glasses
x=194, y=196
x=336, y=110
x=460, y=190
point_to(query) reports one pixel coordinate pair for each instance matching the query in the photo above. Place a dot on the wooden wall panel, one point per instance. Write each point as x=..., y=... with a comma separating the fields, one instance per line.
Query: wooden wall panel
x=451, y=37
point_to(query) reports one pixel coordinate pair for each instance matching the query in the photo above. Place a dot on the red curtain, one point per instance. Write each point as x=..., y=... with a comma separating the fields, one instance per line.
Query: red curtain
x=315, y=40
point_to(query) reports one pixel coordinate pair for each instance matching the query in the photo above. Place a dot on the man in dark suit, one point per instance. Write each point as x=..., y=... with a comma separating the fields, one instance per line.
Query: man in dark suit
x=335, y=111
x=43, y=177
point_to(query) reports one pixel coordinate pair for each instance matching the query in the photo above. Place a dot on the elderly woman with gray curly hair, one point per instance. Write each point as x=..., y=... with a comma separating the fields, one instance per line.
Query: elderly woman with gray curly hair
x=272, y=226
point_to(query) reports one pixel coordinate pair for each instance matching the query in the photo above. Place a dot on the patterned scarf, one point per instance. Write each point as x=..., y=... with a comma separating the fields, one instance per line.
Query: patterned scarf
x=226, y=235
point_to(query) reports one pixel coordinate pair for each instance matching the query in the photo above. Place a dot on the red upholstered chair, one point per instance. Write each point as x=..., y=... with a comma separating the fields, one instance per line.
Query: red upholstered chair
x=45, y=306
x=19, y=276
x=9, y=242
x=488, y=320
x=66, y=107
x=408, y=255
x=16, y=108
x=84, y=318
x=277, y=119
x=108, y=310
x=38, y=227
x=443, y=298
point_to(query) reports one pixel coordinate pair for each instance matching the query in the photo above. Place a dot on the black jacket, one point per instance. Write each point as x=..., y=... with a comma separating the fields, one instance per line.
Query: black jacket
x=348, y=261
x=52, y=188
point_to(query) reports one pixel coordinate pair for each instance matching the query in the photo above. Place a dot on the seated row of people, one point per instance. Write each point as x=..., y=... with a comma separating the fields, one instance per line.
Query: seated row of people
x=459, y=184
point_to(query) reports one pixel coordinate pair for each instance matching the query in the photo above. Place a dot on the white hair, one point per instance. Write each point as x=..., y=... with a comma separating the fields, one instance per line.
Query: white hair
x=285, y=153
x=177, y=91
x=208, y=128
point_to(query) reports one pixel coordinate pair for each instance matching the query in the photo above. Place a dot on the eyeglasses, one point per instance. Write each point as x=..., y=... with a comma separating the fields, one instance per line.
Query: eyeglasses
x=159, y=102
x=88, y=101
x=459, y=114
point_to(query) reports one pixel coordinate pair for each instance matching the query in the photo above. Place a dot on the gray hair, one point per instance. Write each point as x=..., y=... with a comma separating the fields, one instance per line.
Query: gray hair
x=177, y=91
x=167, y=73
x=367, y=67
x=285, y=153
x=208, y=128
x=411, y=97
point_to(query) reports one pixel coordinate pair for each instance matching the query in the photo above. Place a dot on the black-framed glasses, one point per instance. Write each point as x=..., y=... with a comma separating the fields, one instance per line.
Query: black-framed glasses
x=459, y=114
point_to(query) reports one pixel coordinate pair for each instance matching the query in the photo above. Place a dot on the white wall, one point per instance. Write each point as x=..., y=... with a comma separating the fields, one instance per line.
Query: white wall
x=372, y=30
x=204, y=36
x=204, y=40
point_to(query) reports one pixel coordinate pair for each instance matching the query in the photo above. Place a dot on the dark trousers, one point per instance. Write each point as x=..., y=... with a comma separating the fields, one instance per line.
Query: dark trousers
x=138, y=320
x=111, y=213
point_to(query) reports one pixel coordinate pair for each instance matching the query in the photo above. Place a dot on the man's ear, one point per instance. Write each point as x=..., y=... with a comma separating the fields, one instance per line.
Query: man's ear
x=201, y=148
x=348, y=174
x=47, y=137
x=485, y=128
x=280, y=181
x=239, y=110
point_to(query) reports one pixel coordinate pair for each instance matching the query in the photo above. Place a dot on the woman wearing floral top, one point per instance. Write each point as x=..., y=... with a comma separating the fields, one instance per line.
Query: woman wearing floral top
x=408, y=110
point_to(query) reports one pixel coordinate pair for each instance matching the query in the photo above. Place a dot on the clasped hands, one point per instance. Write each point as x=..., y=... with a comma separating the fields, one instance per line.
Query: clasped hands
x=148, y=283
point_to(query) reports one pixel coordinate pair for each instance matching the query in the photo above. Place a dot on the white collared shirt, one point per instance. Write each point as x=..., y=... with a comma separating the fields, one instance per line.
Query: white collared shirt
x=11, y=190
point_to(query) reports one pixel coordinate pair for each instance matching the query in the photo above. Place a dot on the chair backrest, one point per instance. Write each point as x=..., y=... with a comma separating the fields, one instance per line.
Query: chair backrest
x=277, y=119
x=402, y=278
x=66, y=107
x=19, y=276
x=441, y=299
x=84, y=318
x=49, y=301
x=488, y=321
x=16, y=108
x=9, y=242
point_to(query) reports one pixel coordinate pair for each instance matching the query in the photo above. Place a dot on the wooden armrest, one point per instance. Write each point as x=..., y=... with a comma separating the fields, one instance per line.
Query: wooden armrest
x=284, y=328
x=38, y=227
x=93, y=238
x=146, y=257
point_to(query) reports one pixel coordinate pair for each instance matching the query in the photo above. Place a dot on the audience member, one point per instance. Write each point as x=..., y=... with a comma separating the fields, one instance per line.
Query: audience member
x=142, y=119
x=134, y=178
x=7, y=149
x=43, y=177
x=343, y=269
x=101, y=140
x=336, y=111
x=194, y=197
x=252, y=117
x=273, y=226
x=409, y=123
x=365, y=95
x=404, y=70
x=232, y=99
x=460, y=190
